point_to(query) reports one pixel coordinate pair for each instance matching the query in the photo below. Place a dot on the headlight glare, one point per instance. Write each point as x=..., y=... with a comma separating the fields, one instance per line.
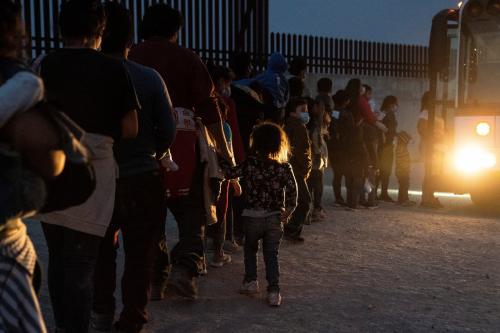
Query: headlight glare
x=483, y=129
x=474, y=159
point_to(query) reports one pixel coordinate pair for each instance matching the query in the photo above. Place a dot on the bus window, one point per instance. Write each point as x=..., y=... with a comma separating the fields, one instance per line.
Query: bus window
x=481, y=62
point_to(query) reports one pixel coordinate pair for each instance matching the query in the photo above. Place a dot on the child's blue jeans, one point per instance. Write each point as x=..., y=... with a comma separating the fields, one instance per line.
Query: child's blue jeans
x=270, y=230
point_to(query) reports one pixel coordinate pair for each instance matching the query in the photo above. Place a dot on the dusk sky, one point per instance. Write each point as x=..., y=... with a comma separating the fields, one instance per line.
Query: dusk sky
x=400, y=21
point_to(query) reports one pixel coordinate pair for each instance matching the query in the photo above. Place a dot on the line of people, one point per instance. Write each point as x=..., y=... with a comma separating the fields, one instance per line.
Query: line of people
x=235, y=157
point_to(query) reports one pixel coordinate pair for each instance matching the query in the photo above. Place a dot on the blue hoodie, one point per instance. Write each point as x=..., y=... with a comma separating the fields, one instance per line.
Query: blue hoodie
x=273, y=80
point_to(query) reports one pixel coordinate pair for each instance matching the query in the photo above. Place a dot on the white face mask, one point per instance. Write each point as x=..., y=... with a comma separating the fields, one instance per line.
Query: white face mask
x=305, y=118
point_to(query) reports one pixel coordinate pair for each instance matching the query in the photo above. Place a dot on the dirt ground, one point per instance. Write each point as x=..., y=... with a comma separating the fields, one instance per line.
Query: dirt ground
x=384, y=270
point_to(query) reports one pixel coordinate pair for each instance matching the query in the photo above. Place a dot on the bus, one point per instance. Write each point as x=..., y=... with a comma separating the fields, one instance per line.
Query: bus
x=464, y=72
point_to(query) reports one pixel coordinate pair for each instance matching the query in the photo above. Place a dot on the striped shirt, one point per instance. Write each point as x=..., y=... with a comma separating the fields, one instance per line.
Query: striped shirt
x=19, y=308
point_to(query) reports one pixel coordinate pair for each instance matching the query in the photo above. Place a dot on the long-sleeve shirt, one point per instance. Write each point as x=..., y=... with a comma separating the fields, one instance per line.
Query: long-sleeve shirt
x=301, y=147
x=156, y=123
x=364, y=110
x=267, y=185
x=191, y=88
x=232, y=119
x=20, y=89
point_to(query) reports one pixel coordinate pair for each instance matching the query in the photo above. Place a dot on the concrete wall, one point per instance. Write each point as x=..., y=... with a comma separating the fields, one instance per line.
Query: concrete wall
x=407, y=90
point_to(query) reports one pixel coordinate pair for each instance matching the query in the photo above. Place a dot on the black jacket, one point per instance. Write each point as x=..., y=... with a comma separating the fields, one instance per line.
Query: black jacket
x=300, y=146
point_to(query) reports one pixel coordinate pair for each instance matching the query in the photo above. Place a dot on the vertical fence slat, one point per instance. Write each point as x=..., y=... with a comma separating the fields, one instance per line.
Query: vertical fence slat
x=216, y=28
x=38, y=27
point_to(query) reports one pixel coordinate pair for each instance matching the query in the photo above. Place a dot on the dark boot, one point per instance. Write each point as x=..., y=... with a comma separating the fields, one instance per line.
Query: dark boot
x=182, y=283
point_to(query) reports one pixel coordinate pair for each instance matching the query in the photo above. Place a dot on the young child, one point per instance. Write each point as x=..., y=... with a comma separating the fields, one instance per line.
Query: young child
x=403, y=168
x=271, y=197
x=319, y=153
x=337, y=143
x=295, y=127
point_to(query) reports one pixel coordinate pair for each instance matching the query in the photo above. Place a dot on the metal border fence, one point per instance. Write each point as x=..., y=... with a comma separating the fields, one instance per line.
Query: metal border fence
x=353, y=57
x=216, y=28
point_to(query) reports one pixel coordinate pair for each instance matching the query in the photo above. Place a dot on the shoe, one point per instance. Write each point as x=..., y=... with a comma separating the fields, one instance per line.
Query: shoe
x=220, y=260
x=433, y=204
x=274, y=299
x=407, y=203
x=293, y=238
x=182, y=283
x=249, y=288
x=386, y=198
x=370, y=207
x=101, y=322
x=230, y=246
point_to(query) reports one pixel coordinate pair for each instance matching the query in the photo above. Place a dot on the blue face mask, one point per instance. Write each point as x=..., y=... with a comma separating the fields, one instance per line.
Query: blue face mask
x=305, y=118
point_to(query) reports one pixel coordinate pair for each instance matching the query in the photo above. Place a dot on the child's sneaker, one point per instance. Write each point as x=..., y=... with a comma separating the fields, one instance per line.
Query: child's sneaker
x=274, y=298
x=250, y=287
x=220, y=260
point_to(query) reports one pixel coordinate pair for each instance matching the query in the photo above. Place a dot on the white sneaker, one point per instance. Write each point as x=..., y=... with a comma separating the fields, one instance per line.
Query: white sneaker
x=249, y=288
x=274, y=298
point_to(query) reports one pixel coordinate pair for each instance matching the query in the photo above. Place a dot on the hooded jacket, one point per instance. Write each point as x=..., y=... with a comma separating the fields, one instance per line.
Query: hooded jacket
x=273, y=80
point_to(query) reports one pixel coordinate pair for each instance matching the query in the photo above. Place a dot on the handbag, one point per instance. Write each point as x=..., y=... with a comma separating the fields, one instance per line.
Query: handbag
x=50, y=144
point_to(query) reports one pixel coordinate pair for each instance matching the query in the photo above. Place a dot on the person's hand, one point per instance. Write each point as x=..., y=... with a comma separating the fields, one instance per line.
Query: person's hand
x=381, y=127
x=236, y=188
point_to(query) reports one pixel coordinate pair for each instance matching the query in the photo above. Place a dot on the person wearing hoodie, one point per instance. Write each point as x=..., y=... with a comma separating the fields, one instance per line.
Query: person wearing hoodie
x=275, y=87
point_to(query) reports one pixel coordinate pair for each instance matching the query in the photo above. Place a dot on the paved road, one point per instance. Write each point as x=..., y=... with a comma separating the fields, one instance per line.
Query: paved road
x=391, y=269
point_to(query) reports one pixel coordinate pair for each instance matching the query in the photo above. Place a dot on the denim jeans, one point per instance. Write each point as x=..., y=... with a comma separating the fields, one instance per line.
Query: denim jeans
x=301, y=213
x=72, y=260
x=270, y=230
x=315, y=183
x=139, y=214
x=218, y=231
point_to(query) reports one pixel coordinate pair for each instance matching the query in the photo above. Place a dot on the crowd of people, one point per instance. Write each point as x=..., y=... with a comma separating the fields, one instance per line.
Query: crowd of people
x=237, y=158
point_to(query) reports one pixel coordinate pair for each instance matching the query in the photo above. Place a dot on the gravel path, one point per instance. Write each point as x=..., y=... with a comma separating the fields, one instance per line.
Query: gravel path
x=384, y=270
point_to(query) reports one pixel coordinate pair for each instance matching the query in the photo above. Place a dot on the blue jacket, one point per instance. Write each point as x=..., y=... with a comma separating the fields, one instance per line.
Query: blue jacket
x=274, y=80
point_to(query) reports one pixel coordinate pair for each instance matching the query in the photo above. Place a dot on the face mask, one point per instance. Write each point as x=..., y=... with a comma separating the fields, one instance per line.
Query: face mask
x=226, y=92
x=335, y=114
x=304, y=117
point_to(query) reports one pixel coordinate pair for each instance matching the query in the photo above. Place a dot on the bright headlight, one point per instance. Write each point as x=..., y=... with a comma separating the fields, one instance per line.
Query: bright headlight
x=474, y=159
x=483, y=129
